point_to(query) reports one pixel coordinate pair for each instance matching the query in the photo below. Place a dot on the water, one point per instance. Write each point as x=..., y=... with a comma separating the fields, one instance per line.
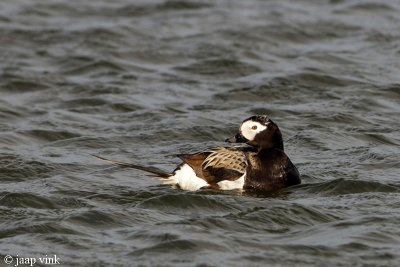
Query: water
x=141, y=81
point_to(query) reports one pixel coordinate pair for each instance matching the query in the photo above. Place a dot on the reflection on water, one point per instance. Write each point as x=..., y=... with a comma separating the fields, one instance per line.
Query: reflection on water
x=142, y=81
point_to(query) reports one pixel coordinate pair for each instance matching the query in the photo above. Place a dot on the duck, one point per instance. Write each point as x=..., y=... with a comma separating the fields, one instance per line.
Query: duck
x=259, y=163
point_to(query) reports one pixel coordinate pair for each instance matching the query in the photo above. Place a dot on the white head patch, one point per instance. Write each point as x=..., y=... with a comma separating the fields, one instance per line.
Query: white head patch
x=250, y=128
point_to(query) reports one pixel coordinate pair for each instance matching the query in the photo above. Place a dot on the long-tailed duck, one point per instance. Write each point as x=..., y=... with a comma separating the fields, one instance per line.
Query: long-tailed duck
x=261, y=165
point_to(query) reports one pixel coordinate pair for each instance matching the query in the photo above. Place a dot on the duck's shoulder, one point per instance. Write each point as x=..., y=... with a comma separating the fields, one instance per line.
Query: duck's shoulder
x=232, y=157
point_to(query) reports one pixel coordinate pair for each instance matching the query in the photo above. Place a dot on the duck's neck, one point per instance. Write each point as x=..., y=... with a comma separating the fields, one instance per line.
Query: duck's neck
x=275, y=142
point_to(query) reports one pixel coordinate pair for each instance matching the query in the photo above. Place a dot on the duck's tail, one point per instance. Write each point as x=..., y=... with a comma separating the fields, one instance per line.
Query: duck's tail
x=154, y=171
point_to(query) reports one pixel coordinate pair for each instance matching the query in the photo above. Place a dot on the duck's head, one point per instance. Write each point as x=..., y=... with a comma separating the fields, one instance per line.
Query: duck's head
x=260, y=132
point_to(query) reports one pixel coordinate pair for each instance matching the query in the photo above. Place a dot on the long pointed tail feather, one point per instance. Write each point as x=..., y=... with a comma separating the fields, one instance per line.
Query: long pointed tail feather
x=155, y=171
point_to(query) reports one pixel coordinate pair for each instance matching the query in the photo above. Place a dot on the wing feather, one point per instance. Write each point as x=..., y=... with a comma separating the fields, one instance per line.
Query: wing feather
x=217, y=164
x=226, y=158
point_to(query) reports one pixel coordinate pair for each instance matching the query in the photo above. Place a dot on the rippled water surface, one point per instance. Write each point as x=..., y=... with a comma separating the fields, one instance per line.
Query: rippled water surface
x=141, y=81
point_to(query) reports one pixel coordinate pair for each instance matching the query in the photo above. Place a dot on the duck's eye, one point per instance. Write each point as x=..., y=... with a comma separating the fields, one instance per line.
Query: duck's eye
x=254, y=127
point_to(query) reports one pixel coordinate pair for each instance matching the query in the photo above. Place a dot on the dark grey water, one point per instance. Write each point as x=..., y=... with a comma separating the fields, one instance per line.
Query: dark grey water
x=141, y=81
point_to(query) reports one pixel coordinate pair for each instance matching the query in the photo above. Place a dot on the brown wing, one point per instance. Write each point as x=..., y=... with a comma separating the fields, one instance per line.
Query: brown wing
x=195, y=161
x=228, y=158
x=217, y=164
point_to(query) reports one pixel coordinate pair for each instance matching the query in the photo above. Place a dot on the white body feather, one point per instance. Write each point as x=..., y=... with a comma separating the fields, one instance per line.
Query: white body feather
x=186, y=179
x=232, y=185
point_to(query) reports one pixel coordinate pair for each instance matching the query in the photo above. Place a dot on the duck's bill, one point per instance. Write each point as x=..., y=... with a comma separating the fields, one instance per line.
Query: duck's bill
x=238, y=138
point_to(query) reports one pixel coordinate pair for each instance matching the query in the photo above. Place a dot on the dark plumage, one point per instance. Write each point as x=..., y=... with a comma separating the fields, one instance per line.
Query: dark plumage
x=269, y=167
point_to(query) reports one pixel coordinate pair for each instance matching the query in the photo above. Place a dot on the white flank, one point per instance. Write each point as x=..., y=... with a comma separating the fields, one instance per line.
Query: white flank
x=232, y=185
x=186, y=178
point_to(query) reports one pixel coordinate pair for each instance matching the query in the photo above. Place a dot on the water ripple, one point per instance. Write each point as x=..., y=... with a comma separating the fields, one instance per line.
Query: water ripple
x=143, y=81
